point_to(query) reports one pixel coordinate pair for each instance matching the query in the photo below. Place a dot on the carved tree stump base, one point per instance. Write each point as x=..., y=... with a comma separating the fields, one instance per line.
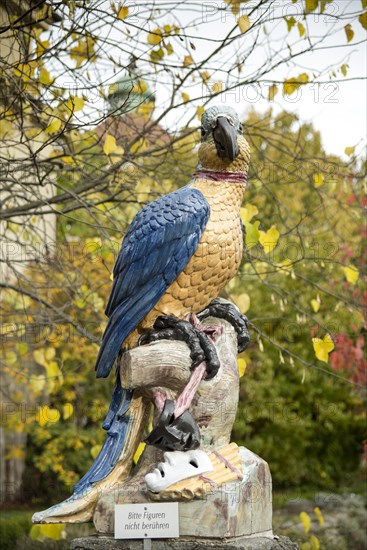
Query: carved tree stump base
x=235, y=509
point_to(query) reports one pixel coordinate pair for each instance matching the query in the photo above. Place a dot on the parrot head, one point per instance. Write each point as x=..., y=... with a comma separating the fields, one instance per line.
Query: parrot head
x=223, y=146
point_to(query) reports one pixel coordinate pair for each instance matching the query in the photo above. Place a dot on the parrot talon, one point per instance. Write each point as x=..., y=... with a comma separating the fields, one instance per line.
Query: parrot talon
x=168, y=327
x=224, y=309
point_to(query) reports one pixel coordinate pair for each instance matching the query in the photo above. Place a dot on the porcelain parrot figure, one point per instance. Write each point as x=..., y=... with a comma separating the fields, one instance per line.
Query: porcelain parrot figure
x=177, y=255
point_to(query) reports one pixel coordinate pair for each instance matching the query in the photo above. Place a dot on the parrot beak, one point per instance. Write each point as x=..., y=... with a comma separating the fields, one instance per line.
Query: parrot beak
x=225, y=137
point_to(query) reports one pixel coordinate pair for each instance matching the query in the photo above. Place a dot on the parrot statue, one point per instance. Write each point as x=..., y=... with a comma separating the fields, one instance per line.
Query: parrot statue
x=177, y=255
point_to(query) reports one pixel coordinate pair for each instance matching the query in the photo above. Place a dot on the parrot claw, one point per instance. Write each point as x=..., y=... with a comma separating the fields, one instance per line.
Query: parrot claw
x=169, y=327
x=223, y=309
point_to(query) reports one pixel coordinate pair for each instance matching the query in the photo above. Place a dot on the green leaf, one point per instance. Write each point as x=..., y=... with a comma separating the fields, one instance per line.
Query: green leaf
x=349, y=32
x=344, y=69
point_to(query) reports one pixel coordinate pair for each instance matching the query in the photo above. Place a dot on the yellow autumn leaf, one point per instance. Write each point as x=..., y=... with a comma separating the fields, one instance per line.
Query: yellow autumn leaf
x=351, y=274
x=75, y=103
x=39, y=356
x=15, y=451
x=123, y=12
x=243, y=302
x=95, y=450
x=50, y=353
x=169, y=48
x=110, y=146
x=188, y=60
x=319, y=516
x=301, y=29
x=37, y=383
x=241, y=362
x=45, y=78
x=217, y=87
x=269, y=239
x=292, y=84
x=323, y=347
x=53, y=370
x=273, y=90
x=363, y=20
x=84, y=50
x=46, y=415
x=139, y=451
x=349, y=32
x=306, y=521
x=349, y=150
x=252, y=233
x=315, y=304
x=54, y=125
x=67, y=410
x=200, y=111
x=248, y=212
x=318, y=179
x=311, y=5
x=155, y=37
x=185, y=97
x=314, y=543
x=244, y=23
x=52, y=531
x=205, y=76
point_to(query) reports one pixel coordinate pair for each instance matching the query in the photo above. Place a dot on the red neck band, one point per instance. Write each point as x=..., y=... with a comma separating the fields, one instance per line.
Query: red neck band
x=221, y=175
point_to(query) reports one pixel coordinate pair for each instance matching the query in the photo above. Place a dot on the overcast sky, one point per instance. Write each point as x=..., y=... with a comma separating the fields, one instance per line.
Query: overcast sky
x=337, y=109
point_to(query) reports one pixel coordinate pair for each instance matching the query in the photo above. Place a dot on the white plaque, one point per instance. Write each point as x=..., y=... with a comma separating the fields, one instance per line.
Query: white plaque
x=146, y=521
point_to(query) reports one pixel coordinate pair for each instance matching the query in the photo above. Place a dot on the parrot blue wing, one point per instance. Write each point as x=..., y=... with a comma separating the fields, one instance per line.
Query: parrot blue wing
x=160, y=241
x=158, y=245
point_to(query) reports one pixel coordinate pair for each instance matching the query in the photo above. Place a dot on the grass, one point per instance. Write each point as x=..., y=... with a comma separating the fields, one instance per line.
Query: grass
x=15, y=526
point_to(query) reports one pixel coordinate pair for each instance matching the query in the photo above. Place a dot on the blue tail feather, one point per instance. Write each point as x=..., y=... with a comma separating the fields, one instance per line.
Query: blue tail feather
x=117, y=424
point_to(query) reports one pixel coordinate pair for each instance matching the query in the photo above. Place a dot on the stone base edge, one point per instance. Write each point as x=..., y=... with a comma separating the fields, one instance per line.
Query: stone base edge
x=242, y=543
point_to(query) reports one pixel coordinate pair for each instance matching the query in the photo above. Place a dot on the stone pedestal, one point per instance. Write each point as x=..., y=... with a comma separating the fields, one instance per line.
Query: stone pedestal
x=252, y=543
x=236, y=509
